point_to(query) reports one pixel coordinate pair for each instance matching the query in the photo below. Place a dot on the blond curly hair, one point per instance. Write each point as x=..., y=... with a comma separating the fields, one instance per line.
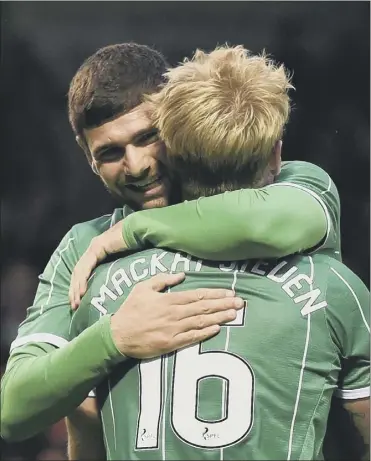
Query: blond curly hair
x=220, y=115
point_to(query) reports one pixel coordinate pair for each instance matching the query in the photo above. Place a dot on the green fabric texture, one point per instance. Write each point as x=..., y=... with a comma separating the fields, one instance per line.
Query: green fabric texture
x=278, y=221
x=46, y=384
x=43, y=384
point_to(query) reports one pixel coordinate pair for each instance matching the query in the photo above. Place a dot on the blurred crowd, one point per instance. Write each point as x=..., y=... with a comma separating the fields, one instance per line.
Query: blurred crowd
x=48, y=186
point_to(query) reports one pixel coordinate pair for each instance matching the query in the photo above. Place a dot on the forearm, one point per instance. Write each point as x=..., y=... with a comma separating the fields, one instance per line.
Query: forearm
x=250, y=223
x=41, y=387
x=85, y=433
x=359, y=419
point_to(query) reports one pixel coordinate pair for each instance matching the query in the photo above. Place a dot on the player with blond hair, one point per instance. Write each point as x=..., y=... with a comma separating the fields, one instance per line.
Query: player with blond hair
x=224, y=112
x=261, y=389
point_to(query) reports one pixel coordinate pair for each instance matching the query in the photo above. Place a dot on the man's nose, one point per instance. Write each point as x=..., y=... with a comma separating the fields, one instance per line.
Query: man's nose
x=137, y=165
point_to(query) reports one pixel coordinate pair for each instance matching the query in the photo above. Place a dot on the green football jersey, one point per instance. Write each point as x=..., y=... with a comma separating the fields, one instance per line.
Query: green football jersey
x=314, y=180
x=262, y=387
x=48, y=319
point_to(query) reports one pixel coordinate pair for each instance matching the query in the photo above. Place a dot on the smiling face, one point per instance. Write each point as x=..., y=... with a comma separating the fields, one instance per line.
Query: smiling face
x=127, y=154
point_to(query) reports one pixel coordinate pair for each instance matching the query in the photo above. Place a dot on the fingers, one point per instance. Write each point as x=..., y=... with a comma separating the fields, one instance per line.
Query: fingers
x=192, y=296
x=199, y=322
x=195, y=336
x=201, y=327
x=161, y=281
x=74, y=292
x=209, y=306
x=71, y=295
x=77, y=290
x=79, y=278
x=94, y=254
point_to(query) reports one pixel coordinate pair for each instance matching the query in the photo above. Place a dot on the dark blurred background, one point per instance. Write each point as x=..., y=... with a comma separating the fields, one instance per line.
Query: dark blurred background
x=46, y=181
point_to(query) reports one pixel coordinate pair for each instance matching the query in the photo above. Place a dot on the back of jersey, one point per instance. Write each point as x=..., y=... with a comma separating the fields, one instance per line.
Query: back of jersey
x=260, y=389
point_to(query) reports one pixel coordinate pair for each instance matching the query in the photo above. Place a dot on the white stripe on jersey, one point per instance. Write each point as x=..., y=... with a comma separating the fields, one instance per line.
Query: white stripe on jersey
x=39, y=338
x=329, y=185
x=303, y=363
x=105, y=435
x=226, y=349
x=163, y=435
x=113, y=414
x=54, y=272
x=355, y=297
x=351, y=394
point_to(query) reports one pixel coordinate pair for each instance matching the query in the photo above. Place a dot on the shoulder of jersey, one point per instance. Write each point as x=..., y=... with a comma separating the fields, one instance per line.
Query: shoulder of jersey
x=101, y=224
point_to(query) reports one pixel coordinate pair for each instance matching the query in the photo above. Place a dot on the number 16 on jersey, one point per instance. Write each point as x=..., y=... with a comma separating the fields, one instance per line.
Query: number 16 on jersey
x=191, y=367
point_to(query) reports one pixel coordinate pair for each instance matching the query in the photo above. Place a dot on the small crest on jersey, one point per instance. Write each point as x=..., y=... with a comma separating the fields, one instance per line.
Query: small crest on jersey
x=145, y=435
x=207, y=435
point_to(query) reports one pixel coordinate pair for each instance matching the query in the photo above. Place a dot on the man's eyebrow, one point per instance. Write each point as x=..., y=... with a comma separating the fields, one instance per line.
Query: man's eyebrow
x=143, y=131
x=110, y=145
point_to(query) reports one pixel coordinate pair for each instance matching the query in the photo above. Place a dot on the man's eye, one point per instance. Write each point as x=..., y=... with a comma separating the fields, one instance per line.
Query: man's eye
x=148, y=138
x=111, y=155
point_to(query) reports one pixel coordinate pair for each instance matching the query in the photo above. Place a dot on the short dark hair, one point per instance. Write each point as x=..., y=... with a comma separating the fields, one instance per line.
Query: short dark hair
x=111, y=82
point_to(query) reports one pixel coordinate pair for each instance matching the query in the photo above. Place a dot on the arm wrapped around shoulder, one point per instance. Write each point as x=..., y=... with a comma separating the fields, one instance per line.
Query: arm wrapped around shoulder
x=249, y=223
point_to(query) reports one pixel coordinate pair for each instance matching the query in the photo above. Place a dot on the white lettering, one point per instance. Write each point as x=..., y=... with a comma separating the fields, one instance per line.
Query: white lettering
x=178, y=258
x=134, y=274
x=97, y=301
x=156, y=265
x=310, y=306
x=295, y=282
x=256, y=270
x=244, y=266
x=117, y=278
x=198, y=265
x=311, y=295
x=283, y=277
x=228, y=268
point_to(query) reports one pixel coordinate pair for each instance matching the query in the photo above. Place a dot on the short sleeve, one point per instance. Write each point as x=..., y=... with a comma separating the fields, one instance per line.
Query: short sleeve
x=348, y=314
x=314, y=180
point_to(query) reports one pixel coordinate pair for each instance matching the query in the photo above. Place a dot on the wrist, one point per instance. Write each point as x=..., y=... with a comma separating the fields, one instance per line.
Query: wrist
x=111, y=337
x=116, y=336
x=113, y=240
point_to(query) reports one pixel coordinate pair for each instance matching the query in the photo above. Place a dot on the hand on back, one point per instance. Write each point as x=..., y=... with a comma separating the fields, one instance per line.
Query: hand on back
x=151, y=323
